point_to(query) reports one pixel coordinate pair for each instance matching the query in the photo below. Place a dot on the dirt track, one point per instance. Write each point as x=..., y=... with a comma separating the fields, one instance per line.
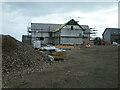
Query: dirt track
x=95, y=67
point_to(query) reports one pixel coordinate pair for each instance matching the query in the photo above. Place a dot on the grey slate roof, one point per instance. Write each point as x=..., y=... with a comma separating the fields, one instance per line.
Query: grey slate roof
x=113, y=31
x=44, y=26
x=51, y=26
x=85, y=26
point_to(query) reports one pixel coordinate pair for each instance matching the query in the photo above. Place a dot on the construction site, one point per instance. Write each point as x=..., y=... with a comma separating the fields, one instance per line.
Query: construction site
x=59, y=56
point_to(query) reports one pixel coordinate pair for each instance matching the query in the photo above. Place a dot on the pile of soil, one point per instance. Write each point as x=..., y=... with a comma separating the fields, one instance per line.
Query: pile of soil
x=18, y=56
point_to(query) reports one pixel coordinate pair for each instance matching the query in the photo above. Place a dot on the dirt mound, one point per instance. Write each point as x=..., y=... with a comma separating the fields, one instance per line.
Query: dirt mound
x=17, y=55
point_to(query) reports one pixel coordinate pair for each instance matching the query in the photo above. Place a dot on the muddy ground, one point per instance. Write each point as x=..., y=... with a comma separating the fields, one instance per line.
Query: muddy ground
x=95, y=67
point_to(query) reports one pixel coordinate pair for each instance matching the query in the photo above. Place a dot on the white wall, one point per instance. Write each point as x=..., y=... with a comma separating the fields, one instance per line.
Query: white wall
x=107, y=36
x=40, y=34
x=68, y=32
x=71, y=40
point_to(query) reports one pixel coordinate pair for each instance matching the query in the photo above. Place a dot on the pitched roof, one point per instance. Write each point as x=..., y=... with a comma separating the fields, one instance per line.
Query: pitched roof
x=71, y=22
x=113, y=31
x=44, y=26
x=85, y=27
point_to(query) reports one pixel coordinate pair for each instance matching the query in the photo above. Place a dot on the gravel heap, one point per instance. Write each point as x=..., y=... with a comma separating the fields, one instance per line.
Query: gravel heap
x=18, y=56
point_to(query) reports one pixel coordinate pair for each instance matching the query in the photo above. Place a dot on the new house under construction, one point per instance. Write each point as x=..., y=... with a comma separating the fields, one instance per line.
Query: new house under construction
x=57, y=34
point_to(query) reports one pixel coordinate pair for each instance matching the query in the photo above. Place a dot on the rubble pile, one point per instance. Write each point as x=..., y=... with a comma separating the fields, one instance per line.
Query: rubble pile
x=17, y=55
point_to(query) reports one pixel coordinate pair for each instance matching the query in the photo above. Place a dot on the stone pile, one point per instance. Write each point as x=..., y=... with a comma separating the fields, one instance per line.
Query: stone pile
x=17, y=56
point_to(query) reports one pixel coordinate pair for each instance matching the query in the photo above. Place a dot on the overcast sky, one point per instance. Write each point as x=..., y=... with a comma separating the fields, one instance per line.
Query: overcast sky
x=17, y=15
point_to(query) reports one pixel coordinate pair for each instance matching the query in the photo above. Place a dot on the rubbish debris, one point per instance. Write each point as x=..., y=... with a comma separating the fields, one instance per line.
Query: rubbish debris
x=65, y=47
x=54, y=52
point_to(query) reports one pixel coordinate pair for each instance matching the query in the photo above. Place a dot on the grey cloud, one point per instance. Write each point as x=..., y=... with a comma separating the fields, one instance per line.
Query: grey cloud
x=16, y=14
x=34, y=9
